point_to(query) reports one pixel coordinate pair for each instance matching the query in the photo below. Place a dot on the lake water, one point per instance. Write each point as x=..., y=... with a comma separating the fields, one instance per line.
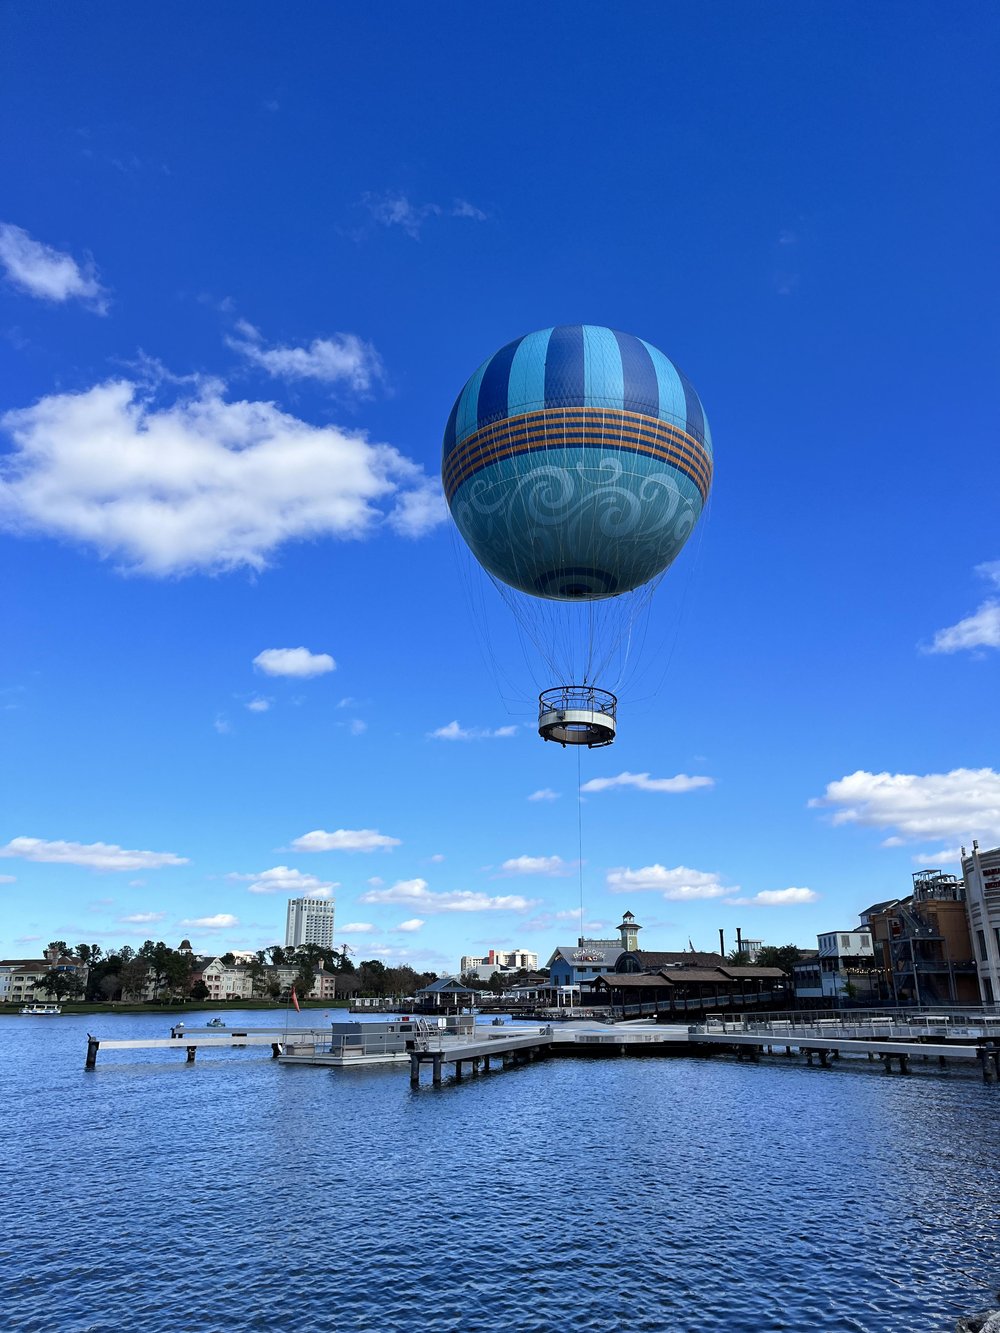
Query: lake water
x=572, y=1194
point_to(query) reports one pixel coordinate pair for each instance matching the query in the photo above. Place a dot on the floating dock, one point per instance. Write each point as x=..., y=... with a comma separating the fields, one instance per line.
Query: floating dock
x=460, y=1043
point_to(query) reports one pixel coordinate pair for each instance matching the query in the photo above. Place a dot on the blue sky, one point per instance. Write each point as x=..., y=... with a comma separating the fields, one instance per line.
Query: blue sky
x=249, y=257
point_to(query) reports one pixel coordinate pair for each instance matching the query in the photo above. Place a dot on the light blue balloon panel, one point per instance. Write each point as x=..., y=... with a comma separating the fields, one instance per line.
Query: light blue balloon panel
x=577, y=461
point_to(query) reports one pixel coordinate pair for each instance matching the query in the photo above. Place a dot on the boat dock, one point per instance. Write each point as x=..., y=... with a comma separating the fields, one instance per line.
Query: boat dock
x=466, y=1046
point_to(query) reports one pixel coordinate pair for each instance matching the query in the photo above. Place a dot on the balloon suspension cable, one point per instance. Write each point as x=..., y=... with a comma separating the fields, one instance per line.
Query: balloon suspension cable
x=579, y=830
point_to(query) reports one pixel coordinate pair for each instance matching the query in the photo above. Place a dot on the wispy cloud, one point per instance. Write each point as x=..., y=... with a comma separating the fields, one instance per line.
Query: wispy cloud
x=283, y=879
x=981, y=629
x=643, y=782
x=345, y=840
x=415, y=893
x=776, y=898
x=544, y=794
x=258, y=705
x=221, y=921
x=414, y=924
x=8, y=879
x=142, y=918
x=394, y=209
x=536, y=865
x=95, y=855
x=678, y=884
x=963, y=804
x=357, y=928
x=201, y=483
x=343, y=358
x=47, y=273
x=453, y=732
x=299, y=663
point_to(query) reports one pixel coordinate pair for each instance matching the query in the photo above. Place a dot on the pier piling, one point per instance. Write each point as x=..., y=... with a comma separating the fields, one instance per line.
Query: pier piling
x=93, y=1046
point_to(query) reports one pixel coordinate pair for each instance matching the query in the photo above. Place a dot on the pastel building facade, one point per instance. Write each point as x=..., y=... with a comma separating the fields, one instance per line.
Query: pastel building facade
x=981, y=873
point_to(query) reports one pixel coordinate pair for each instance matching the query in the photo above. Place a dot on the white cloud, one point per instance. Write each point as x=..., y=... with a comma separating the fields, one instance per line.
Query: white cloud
x=981, y=630
x=963, y=804
x=414, y=892
x=341, y=358
x=776, y=898
x=258, y=705
x=222, y=725
x=453, y=732
x=357, y=727
x=413, y=924
x=679, y=884
x=643, y=782
x=930, y=860
x=344, y=840
x=8, y=879
x=298, y=662
x=437, y=858
x=96, y=855
x=461, y=208
x=394, y=209
x=201, y=483
x=544, y=794
x=221, y=921
x=357, y=928
x=535, y=865
x=282, y=879
x=47, y=273
x=142, y=918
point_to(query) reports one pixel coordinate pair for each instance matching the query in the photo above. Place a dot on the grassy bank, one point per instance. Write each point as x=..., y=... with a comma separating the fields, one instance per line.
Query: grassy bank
x=188, y=1007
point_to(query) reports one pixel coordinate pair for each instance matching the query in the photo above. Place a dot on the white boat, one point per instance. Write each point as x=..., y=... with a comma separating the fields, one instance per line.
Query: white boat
x=38, y=1009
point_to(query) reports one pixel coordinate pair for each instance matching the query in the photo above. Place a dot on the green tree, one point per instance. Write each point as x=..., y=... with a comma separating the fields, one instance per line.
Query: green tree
x=59, y=947
x=305, y=979
x=199, y=991
x=61, y=983
x=371, y=974
x=228, y=959
x=778, y=955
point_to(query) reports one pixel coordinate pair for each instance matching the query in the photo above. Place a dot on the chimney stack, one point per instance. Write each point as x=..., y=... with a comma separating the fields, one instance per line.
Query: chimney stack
x=722, y=942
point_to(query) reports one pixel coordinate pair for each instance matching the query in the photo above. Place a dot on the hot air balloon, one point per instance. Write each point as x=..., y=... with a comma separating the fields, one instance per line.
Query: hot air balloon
x=577, y=461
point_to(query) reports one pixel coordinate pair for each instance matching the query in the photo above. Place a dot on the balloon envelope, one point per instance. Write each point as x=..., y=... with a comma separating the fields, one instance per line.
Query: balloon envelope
x=577, y=461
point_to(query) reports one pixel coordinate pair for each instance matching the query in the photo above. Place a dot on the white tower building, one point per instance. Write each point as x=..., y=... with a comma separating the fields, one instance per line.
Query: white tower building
x=981, y=871
x=309, y=921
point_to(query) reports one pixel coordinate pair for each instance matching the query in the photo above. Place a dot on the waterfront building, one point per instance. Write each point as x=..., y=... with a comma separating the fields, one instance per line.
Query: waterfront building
x=498, y=960
x=807, y=981
x=922, y=944
x=445, y=993
x=20, y=977
x=846, y=965
x=580, y=964
x=309, y=921
x=981, y=875
x=680, y=989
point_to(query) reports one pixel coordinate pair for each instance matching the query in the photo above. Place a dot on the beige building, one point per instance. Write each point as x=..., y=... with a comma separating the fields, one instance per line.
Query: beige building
x=981, y=873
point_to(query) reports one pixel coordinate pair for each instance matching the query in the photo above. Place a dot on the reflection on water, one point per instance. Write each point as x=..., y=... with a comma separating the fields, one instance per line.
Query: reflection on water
x=572, y=1194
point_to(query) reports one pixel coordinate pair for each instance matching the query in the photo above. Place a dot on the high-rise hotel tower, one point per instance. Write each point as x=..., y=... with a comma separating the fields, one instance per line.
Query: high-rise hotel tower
x=310, y=921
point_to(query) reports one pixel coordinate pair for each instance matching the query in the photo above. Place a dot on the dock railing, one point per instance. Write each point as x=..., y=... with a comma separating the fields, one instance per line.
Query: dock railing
x=966, y=1023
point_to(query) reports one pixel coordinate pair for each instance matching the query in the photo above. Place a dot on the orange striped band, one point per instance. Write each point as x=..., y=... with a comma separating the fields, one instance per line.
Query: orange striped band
x=556, y=428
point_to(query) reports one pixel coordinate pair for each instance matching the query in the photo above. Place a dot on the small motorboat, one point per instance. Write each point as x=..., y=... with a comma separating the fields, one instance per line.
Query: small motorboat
x=215, y=1023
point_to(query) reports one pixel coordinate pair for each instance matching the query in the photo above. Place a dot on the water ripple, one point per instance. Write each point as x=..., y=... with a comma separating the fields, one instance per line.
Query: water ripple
x=647, y=1196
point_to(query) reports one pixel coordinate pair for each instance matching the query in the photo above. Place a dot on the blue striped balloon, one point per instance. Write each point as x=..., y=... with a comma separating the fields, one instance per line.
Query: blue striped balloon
x=577, y=461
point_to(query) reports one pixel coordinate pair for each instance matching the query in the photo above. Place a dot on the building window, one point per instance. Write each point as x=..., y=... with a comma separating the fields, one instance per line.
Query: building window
x=981, y=941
